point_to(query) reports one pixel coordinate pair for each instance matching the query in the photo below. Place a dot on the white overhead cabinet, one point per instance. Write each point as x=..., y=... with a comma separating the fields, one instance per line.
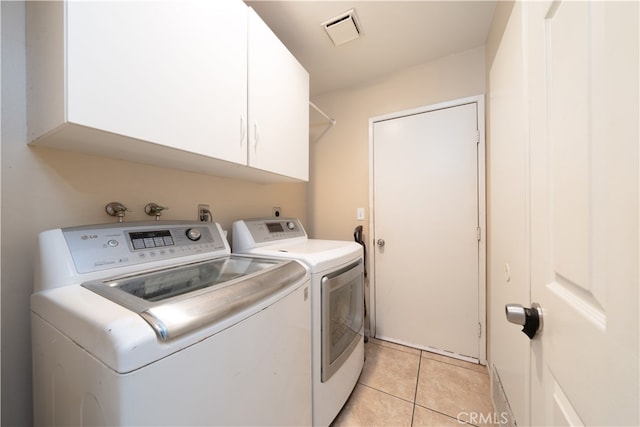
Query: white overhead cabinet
x=278, y=115
x=162, y=83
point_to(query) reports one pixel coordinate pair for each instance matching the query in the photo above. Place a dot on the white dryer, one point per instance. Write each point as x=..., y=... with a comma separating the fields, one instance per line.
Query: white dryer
x=158, y=324
x=337, y=289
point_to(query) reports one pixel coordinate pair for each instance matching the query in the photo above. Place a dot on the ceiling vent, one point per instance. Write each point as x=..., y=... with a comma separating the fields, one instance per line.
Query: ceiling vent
x=343, y=28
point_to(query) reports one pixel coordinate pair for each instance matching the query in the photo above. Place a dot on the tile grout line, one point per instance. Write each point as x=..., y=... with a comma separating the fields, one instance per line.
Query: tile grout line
x=398, y=347
x=415, y=398
x=461, y=422
x=384, y=392
x=427, y=357
x=439, y=361
x=456, y=365
x=415, y=394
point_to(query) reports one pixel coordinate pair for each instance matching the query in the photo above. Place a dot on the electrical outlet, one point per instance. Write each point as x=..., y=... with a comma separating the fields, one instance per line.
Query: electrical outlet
x=276, y=212
x=204, y=213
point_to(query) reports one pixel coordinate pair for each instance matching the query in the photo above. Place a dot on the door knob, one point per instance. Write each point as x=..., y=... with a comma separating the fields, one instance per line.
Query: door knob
x=380, y=242
x=529, y=318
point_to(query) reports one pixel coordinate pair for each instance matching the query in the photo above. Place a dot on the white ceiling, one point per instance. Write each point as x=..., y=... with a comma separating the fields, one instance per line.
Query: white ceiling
x=396, y=35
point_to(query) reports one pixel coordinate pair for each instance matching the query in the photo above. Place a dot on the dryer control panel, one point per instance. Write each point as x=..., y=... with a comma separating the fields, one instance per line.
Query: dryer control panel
x=250, y=232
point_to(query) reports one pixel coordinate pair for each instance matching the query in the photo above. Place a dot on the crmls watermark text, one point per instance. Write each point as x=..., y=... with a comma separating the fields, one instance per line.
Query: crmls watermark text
x=479, y=418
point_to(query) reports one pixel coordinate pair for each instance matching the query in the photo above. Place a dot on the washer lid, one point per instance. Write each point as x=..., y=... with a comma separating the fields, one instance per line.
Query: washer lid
x=179, y=300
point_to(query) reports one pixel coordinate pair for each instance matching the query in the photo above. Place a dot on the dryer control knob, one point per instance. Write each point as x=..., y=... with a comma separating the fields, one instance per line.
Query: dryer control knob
x=291, y=225
x=193, y=234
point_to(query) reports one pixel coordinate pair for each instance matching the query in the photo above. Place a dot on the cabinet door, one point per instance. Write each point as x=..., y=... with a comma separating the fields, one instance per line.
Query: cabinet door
x=278, y=105
x=172, y=73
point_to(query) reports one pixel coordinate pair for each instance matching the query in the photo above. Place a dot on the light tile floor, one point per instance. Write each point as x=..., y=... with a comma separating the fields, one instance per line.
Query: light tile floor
x=403, y=386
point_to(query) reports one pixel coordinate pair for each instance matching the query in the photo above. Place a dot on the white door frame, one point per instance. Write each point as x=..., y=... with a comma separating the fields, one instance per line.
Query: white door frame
x=482, y=250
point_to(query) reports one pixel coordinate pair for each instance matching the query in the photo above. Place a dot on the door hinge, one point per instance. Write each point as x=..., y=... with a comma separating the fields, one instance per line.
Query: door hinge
x=479, y=233
x=479, y=330
x=477, y=137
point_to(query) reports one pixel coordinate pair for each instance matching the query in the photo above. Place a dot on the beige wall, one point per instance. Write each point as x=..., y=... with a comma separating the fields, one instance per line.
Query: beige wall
x=507, y=225
x=45, y=188
x=500, y=19
x=339, y=169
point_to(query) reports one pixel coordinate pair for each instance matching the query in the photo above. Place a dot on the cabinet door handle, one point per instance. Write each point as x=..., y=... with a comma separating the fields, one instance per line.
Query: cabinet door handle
x=243, y=130
x=256, y=136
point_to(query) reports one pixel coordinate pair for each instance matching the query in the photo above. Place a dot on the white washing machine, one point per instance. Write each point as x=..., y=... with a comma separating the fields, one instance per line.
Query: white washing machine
x=152, y=324
x=337, y=289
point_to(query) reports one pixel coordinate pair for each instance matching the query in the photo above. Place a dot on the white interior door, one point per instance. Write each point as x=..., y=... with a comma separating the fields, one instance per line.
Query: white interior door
x=584, y=74
x=426, y=210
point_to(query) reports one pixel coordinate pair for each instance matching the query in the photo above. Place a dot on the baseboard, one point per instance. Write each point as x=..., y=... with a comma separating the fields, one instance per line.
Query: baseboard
x=504, y=415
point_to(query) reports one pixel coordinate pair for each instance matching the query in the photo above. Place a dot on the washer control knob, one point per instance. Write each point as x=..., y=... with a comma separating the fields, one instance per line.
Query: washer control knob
x=291, y=225
x=193, y=234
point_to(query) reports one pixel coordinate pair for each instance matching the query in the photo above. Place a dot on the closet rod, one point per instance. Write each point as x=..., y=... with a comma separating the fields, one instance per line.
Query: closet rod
x=333, y=121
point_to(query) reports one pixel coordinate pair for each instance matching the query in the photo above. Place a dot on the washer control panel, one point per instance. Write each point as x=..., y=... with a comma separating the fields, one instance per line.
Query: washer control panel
x=102, y=247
